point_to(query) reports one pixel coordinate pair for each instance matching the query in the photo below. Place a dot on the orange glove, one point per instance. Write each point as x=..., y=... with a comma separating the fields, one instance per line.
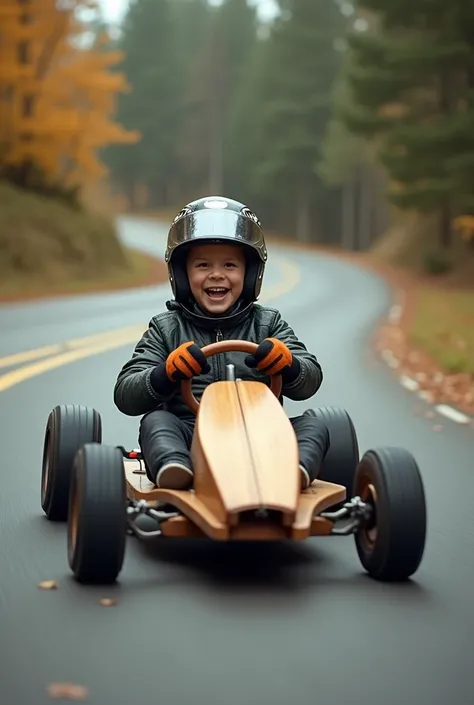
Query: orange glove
x=188, y=360
x=272, y=357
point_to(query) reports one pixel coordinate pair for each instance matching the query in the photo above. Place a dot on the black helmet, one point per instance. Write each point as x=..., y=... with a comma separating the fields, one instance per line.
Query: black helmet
x=215, y=219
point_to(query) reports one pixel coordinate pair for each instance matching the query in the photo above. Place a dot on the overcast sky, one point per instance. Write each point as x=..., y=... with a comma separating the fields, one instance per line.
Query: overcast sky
x=113, y=10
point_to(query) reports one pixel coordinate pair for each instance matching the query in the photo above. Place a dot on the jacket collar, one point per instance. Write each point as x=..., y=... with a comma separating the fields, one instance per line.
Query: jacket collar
x=238, y=313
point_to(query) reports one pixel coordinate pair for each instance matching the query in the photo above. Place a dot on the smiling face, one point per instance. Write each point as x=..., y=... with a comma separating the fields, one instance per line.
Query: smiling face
x=216, y=275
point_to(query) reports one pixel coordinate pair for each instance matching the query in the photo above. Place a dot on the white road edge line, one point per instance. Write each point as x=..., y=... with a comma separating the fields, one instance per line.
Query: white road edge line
x=453, y=414
x=444, y=409
x=409, y=383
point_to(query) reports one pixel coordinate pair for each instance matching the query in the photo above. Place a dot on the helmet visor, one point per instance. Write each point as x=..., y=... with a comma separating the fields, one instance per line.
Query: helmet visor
x=216, y=225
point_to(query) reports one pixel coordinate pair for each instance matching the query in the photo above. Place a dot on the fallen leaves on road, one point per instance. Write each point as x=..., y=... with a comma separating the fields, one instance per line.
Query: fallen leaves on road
x=48, y=585
x=107, y=602
x=67, y=691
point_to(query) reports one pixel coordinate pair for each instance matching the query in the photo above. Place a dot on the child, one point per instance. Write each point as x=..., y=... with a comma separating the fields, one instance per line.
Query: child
x=216, y=258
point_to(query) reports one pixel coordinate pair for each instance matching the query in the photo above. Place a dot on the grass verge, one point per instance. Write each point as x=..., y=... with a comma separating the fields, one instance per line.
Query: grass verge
x=49, y=248
x=143, y=270
x=443, y=325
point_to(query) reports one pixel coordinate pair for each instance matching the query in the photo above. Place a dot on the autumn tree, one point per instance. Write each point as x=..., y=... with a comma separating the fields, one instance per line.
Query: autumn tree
x=57, y=96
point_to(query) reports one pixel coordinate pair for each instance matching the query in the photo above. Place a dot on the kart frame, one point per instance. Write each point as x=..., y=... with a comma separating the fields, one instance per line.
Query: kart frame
x=246, y=472
x=247, y=483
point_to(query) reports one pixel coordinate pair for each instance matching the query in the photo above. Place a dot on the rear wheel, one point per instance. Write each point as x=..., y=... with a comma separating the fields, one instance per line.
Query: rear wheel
x=339, y=465
x=67, y=429
x=97, y=527
x=391, y=545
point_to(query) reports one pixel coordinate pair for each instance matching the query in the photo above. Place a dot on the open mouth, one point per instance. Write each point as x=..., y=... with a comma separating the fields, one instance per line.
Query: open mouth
x=217, y=293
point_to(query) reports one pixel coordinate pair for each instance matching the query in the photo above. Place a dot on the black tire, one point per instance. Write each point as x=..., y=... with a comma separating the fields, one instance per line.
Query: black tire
x=339, y=465
x=391, y=547
x=67, y=429
x=97, y=527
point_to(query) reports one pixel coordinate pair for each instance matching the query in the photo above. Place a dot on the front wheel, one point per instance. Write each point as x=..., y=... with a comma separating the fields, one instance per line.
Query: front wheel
x=391, y=545
x=97, y=526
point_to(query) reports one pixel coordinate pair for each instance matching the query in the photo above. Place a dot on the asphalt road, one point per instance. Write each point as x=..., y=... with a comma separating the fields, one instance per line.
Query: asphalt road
x=201, y=623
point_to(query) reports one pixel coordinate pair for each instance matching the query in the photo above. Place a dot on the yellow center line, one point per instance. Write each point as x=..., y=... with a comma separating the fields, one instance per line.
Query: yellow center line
x=49, y=350
x=19, y=358
x=51, y=363
x=80, y=348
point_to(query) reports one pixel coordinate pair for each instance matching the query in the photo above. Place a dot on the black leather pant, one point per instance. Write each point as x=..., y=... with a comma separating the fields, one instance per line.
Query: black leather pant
x=165, y=438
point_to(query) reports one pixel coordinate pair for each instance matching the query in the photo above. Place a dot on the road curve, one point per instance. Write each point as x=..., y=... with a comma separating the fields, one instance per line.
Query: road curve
x=197, y=622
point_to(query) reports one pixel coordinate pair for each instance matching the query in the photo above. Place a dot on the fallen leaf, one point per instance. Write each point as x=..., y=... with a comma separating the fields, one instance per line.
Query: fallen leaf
x=107, y=602
x=48, y=585
x=68, y=691
x=438, y=427
x=429, y=415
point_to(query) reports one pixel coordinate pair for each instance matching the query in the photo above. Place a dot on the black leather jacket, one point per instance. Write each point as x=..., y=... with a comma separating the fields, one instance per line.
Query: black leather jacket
x=133, y=393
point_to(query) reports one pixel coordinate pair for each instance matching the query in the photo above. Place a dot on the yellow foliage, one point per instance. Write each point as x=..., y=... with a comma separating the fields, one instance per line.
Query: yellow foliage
x=394, y=110
x=464, y=224
x=56, y=97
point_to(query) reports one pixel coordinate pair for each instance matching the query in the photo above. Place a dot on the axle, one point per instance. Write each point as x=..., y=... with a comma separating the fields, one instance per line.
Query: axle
x=357, y=511
x=354, y=509
x=142, y=508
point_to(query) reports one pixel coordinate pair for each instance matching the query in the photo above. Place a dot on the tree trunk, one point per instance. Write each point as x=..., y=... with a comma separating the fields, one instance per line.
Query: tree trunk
x=216, y=119
x=445, y=231
x=303, y=220
x=365, y=209
x=215, y=157
x=445, y=211
x=348, y=216
x=380, y=204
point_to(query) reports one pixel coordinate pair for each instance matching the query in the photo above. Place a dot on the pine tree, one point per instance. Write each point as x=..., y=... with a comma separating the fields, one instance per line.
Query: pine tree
x=341, y=150
x=245, y=145
x=300, y=68
x=151, y=66
x=410, y=83
x=216, y=75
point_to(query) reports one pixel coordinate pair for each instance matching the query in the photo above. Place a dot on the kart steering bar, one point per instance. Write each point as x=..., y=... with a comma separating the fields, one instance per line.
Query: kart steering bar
x=224, y=346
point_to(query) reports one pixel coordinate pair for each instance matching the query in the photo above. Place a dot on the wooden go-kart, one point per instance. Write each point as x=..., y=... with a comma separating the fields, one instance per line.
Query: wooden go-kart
x=246, y=483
